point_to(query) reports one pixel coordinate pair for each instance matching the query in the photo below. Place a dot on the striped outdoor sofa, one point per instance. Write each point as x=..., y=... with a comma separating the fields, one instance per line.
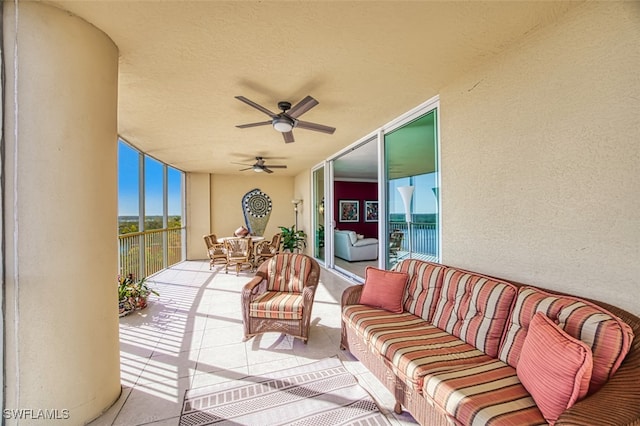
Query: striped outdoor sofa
x=462, y=351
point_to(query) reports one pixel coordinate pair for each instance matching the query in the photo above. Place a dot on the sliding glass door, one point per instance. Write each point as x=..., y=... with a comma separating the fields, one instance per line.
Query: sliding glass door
x=318, y=213
x=412, y=175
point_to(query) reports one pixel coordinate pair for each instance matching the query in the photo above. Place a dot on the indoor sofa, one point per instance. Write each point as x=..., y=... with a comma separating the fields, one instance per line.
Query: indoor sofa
x=347, y=246
x=456, y=347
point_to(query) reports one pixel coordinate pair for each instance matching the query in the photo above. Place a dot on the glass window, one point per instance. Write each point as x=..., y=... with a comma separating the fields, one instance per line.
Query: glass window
x=159, y=189
x=153, y=194
x=174, y=194
x=128, y=189
x=318, y=213
x=412, y=190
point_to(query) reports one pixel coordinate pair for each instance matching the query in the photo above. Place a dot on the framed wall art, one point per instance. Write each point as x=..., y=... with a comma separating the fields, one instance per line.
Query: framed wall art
x=349, y=210
x=370, y=211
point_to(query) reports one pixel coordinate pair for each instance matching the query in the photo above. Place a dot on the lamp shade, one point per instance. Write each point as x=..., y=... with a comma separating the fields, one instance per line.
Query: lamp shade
x=406, y=192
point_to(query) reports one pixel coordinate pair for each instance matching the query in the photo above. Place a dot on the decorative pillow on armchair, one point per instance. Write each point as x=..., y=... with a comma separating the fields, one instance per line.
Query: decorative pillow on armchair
x=384, y=289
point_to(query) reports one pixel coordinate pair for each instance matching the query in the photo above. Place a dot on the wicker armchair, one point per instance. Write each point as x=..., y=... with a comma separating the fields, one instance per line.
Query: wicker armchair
x=264, y=250
x=280, y=297
x=395, y=243
x=215, y=250
x=238, y=253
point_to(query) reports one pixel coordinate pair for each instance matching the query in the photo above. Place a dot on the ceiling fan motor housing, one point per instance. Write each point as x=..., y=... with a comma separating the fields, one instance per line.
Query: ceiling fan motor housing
x=284, y=106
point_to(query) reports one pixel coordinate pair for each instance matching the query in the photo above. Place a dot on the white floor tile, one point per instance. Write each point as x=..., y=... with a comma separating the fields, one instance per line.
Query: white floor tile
x=192, y=336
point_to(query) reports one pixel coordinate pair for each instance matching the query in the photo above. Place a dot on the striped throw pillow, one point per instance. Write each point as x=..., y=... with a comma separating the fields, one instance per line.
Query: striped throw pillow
x=474, y=308
x=607, y=335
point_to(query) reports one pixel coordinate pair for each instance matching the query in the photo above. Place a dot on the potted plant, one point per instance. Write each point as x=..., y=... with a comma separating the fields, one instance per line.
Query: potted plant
x=293, y=240
x=132, y=294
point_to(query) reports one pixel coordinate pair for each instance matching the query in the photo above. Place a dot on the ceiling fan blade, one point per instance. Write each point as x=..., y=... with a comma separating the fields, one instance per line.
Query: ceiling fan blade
x=242, y=164
x=248, y=168
x=267, y=170
x=288, y=137
x=276, y=167
x=244, y=126
x=316, y=127
x=256, y=106
x=301, y=107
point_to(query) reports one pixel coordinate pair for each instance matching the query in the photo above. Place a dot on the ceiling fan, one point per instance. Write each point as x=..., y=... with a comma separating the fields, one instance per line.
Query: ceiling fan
x=260, y=167
x=285, y=121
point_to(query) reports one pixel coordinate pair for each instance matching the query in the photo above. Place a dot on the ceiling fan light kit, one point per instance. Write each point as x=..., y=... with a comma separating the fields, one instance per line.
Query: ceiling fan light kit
x=283, y=125
x=285, y=121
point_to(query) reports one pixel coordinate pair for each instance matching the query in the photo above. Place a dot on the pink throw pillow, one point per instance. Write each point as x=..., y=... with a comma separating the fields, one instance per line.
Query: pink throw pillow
x=241, y=232
x=384, y=289
x=554, y=367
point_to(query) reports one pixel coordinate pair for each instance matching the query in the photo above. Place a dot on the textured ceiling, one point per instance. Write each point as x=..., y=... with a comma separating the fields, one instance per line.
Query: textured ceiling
x=182, y=63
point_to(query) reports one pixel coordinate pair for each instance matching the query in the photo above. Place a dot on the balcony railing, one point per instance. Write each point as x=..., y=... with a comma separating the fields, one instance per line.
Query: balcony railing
x=424, y=237
x=161, y=248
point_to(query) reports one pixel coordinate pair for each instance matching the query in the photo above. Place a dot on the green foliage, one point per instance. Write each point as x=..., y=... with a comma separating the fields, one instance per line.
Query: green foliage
x=293, y=240
x=129, y=224
x=129, y=287
x=320, y=236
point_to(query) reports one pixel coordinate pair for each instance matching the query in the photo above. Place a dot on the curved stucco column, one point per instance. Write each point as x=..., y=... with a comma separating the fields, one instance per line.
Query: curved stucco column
x=60, y=215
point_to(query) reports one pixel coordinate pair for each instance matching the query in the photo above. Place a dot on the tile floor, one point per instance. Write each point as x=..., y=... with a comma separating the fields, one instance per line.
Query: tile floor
x=191, y=336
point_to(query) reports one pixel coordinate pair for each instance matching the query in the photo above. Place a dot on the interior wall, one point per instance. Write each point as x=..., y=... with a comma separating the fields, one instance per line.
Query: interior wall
x=226, y=201
x=540, y=158
x=60, y=147
x=361, y=192
x=198, y=210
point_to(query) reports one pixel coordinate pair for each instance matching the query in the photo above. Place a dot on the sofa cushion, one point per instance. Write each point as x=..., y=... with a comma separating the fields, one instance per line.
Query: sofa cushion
x=364, y=320
x=353, y=237
x=607, y=335
x=554, y=367
x=423, y=289
x=474, y=308
x=275, y=304
x=414, y=352
x=384, y=289
x=288, y=272
x=363, y=242
x=483, y=394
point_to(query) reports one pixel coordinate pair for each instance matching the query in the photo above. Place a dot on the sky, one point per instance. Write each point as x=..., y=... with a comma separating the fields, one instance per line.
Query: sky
x=423, y=199
x=128, y=185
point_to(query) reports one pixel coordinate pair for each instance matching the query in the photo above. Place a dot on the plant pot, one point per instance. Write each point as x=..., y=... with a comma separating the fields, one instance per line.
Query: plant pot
x=125, y=307
x=141, y=303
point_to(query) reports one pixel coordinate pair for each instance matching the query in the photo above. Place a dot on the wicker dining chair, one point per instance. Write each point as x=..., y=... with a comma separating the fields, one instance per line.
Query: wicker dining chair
x=215, y=250
x=265, y=249
x=280, y=297
x=239, y=253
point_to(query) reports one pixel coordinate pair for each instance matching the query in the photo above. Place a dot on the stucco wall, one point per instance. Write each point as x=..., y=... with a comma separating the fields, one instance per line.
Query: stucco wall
x=226, y=197
x=302, y=191
x=60, y=209
x=541, y=158
x=198, y=203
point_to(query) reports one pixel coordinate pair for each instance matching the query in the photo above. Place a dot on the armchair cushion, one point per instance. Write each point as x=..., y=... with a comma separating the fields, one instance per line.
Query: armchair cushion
x=288, y=272
x=275, y=304
x=353, y=237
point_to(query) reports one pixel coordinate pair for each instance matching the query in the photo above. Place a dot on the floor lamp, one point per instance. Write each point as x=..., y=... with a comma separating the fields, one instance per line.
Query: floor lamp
x=406, y=192
x=295, y=209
